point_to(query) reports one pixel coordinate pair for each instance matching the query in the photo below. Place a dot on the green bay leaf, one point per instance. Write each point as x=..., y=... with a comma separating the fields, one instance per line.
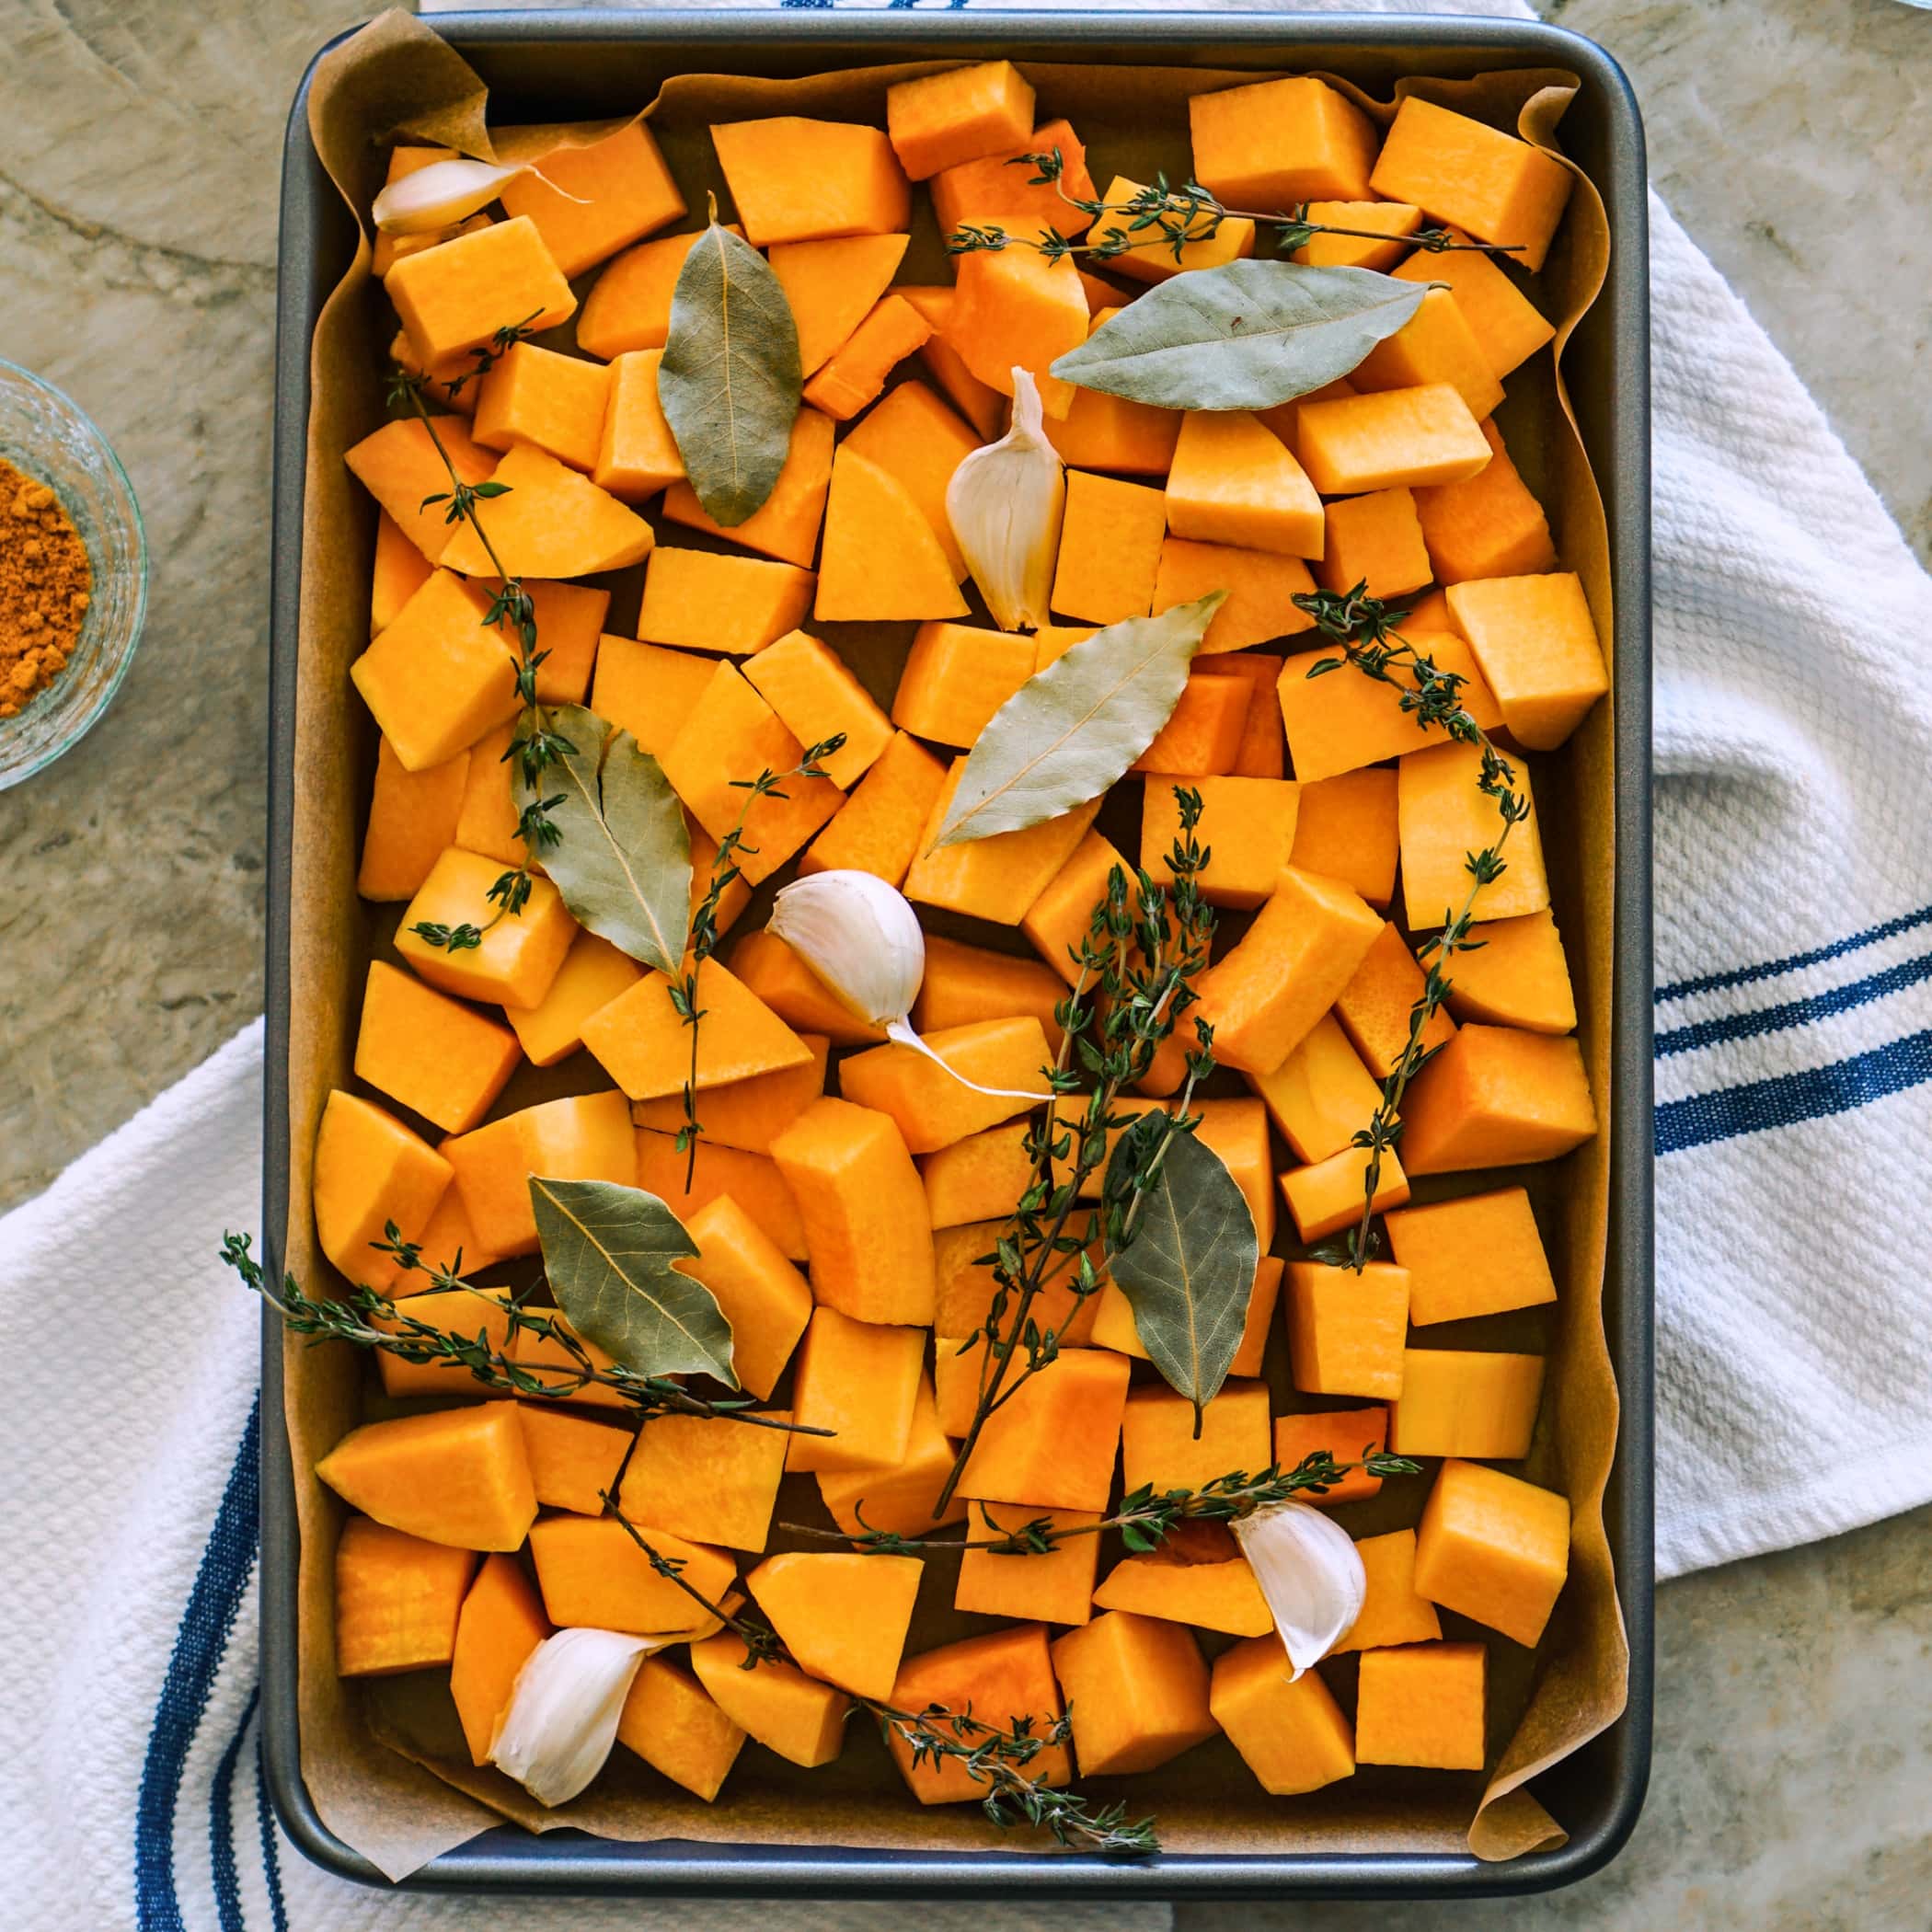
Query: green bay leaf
x=623, y=857
x=730, y=382
x=1070, y=730
x=608, y=1252
x=1245, y=336
x=1188, y=1267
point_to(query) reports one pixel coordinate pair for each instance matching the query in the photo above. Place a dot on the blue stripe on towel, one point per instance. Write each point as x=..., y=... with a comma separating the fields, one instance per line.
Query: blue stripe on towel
x=1787, y=1099
x=213, y=1604
x=222, y=1869
x=1771, y=969
x=270, y=1858
x=1796, y=1012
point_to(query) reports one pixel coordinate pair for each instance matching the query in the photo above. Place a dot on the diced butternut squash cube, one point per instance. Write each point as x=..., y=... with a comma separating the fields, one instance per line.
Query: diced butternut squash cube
x=1499, y=189
x=695, y=598
x=880, y=560
x=865, y=1226
x=592, y=974
x=749, y=1113
x=459, y=294
x=795, y=179
x=1053, y=1444
x=1538, y=648
x=1137, y=1691
x=1375, y=540
x=1204, y=733
x=449, y=1241
x=1435, y=345
x=590, y=1572
x=956, y=677
x=1262, y=753
x=964, y=1300
x=1444, y=816
x=1004, y=1677
x=1259, y=583
x=412, y=816
x=440, y=677
x=798, y=1717
x=1276, y=143
x=1209, y=1595
x=589, y=201
x=551, y=402
x=1489, y=526
x=1053, y=1586
x=1376, y=1008
x=1346, y=826
x=1496, y=1097
x=843, y=1617
x=1388, y=440
x=709, y=1476
x=1150, y=257
x=859, y=1380
x=369, y=1171
x=856, y=373
x=1264, y=997
x=553, y=1361
x=636, y=453
x=770, y=967
x=996, y=879
x=785, y=527
x=932, y=1109
x=501, y=1622
x=450, y=380
x=646, y=690
x=1017, y=309
x=1493, y=1548
x=945, y=120
x=1321, y=1096
x=996, y=191
x=397, y=1600
x=397, y=573
x=1345, y=1329
x=753, y=1180
x=400, y=465
x=1391, y=1613
x=1518, y=977
x=1285, y=418
x=549, y=522
x=489, y=815
x=673, y=1724
x=765, y=1298
x=1110, y=547
x=1422, y=1704
x=731, y=736
x=628, y=306
x=1289, y=1731
x=878, y=827
x=1327, y=1195
x=1249, y=827
x=454, y=1476
x=574, y=1459
x=435, y=1056
x=1108, y=433
x=1234, y=482
x=982, y=405
x=1393, y=220
x=918, y=442
x=1159, y=1445
x=1510, y=327
x=1477, y=1254
x=1467, y=1402
x=979, y=1178
x=831, y=287
x=902, y=1498
x=646, y=1047
x=484, y=1313
x=964, y=983
x=1061, y=918
x=1350, y=1435
x=583, y=1137
x=807, y=683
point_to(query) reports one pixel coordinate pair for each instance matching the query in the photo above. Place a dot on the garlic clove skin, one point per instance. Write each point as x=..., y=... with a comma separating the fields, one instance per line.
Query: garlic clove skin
x=1005, y=503
x=561, y=1719
x=1311, y=1574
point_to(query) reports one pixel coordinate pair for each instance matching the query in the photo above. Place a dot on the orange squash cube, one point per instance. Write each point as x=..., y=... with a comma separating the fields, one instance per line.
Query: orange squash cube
x=592, y=1573
x=1487, y=526
x=1537, y=645
x=588, y=202
x=1375, y=540
x=994, y=192
x=412, y=816
x=1467, y=1402
x=1350, y=1435
x=553, y=1361
x=931, y=1108
x=1518, y=978
x=859, y=1380
x=646, y=690
x=369, y=1171
x=996, y=879
x=1435, y=345
x=1495, y=1097
x=1061, y=918
x=1137, y=1691
x=770, y=967
x=501, y=1622
x=979, y=1178
x=636, y=453
x=1014, y=308
x=1376, y=1006
x=1396, y=220
x=438, y=678
x=1150, y=257
x=1262, y=750
x=738, y=605
x=753, y=1180
x=1208, y=1595
x=1392, y=1612
x=592, y=974
x=1290, y=1732
x=904, y=1497
x=435, y=1056
x=1249, y=827
x=629, y=308
x=1422, y=1704
x=880, y=561
x=1004, y=1676
x=879, y=826
x=1108, y=433
x=816, y=698
x=1444, y=816
x=1346, y=826
x=457, y=294
x=956, y=677
x=1346, y=1330
x=457, y=1310
x=1053, y=1444
x=1326, y=1195
x=1477, y=1254
x=982, y=405
x=583, y=1137
x=1110, y=546
x=1276, y=143
x=919, y=443
x=1260, y=586
x=707, y=1477
x=856, y=373
x=945, y=120
x=549, y=522
x=1159, y=1445
x=1321, y=1096
x=402, y=464
x=1508, y=324
x=552, y=402
x=843, y=1616
x=964, y=983
x=398, y=572
x=490, y=814
x=799, y=1718
x=1494, y=1548
x=397, y=1600
x=1203, y=734
x=831, y=287
x=645, y=1047
x=673, y=1723
x=749, y=1113
x=454, y=1476
x=1234, y=482
x=450, y=380
x=765, y=1298
x=1389, y=439
x=449, y=1241
x=794, y=179
x=1055, y=1586
x=574, y=1459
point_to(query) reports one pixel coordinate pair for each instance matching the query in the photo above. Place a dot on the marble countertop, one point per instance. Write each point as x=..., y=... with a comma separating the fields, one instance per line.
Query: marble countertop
x=1790, y=137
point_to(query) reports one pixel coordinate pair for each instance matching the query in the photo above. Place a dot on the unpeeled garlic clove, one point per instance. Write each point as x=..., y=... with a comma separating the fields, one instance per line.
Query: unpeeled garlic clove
x=561, y=1719
x=1310, y=1573
x=1005, y=503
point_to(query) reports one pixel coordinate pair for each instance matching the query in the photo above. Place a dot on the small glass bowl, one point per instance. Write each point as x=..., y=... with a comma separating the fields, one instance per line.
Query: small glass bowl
x=45, y=437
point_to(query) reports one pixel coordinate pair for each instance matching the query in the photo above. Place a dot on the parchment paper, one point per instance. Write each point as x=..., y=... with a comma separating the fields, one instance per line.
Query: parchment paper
x=383, y=1760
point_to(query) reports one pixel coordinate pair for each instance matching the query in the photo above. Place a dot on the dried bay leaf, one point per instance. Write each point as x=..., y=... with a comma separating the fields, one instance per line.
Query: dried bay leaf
x=1246, y=335
x=1188, y=1267
x=608, y=1252
x=1073, y=729
x=623, y=858
x=730, y=382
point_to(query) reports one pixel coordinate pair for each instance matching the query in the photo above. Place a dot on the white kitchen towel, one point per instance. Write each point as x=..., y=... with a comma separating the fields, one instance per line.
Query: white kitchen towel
x=1795, y=1073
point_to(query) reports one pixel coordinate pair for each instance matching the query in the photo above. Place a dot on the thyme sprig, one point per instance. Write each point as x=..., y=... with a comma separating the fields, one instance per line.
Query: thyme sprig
x=368, y=1321
x=995, y=1756
x=1164, y=216
x=1367, y=630
x=1138, y=960
x=703, y=940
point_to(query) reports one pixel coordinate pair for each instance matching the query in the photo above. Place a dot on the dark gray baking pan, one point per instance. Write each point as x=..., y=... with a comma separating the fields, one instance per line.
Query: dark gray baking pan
x=544, y=66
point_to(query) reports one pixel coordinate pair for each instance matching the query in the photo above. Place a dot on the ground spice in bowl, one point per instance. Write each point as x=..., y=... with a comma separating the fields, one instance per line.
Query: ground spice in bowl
x=46, y=584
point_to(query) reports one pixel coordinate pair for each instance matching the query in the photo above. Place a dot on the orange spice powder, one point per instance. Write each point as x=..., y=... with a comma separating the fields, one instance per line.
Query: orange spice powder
x=46, y=584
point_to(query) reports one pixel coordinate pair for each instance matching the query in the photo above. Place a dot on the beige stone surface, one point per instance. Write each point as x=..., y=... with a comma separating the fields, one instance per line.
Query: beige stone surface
x=139, y=148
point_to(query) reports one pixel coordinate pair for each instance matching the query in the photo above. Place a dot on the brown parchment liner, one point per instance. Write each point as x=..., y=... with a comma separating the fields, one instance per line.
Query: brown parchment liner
x=383, y=1760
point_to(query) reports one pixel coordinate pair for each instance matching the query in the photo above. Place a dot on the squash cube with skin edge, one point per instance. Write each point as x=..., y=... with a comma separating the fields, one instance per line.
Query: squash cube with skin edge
x=798, y=1717
x=1495, y=1097
x=856, y=373
x=1276, y=143
x=1375, y=540
x=1396, y=220
x=673, y=1724
x=863, y=1210
x=843, y=1616
x=979, y=1178
x=1493, y=1548
x=1260, y=584
x=433, y=1054
x=1392, y=1612
x=1388, y=440
x=1508, y=324
x=711, y=1476
x=592, y=974
x=860, y=1380
x=1051, y=1446
x=942, y=119
x=750, y=1113
x=440, y=677
x=1349, y=1435
x=1435, y=345
x=458, y=295
x=1291, y=1733
x=1221, y=1596
x=501, y=1622
x=648, y=690
x=794, y=179
x=1204, y=733
x=589, y=202
x=781, y=978
x=1345, y=826
x=1499, y=189
x=370, y=1171
x=832, y=286
x=1137, y=1691
x=1487, y=526
x=1376, y=1008
x=454, y=1476
x=583, y=1137
x=573, y=1459
x=1467, y=1402
x=552, y=402
x=1537, y=645
x=878, y=827
x=641, y=1042
x=956, y=676
x=1326, y=1195
x=549, y=520
x=1234, y=482
x=1518, y=977
x=636, y=453
x=1053, y=1586
x=919, y=443
x=1159, y=1445
x=629, y=308
x=1321, y=1096
x=412, y=816
x=1014, y=308
x=1264, y=997
x=763, y=1296
x=903, y=1498
x=996, y=879
x=880, y=561
x=593, y=1574
x=696, y=599
x=1422, y=1704
x=1262, y=753
x=401, y=466
x=398, y=1599
x=1250, y=826
x=1479, y=1254
x=753, y=1180
x=1445, y=815
x=1345, y=1329
x=816, y=698
x=1004, y=1677
x=1110, y=547
x=1150, y=255
x=964, y=983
